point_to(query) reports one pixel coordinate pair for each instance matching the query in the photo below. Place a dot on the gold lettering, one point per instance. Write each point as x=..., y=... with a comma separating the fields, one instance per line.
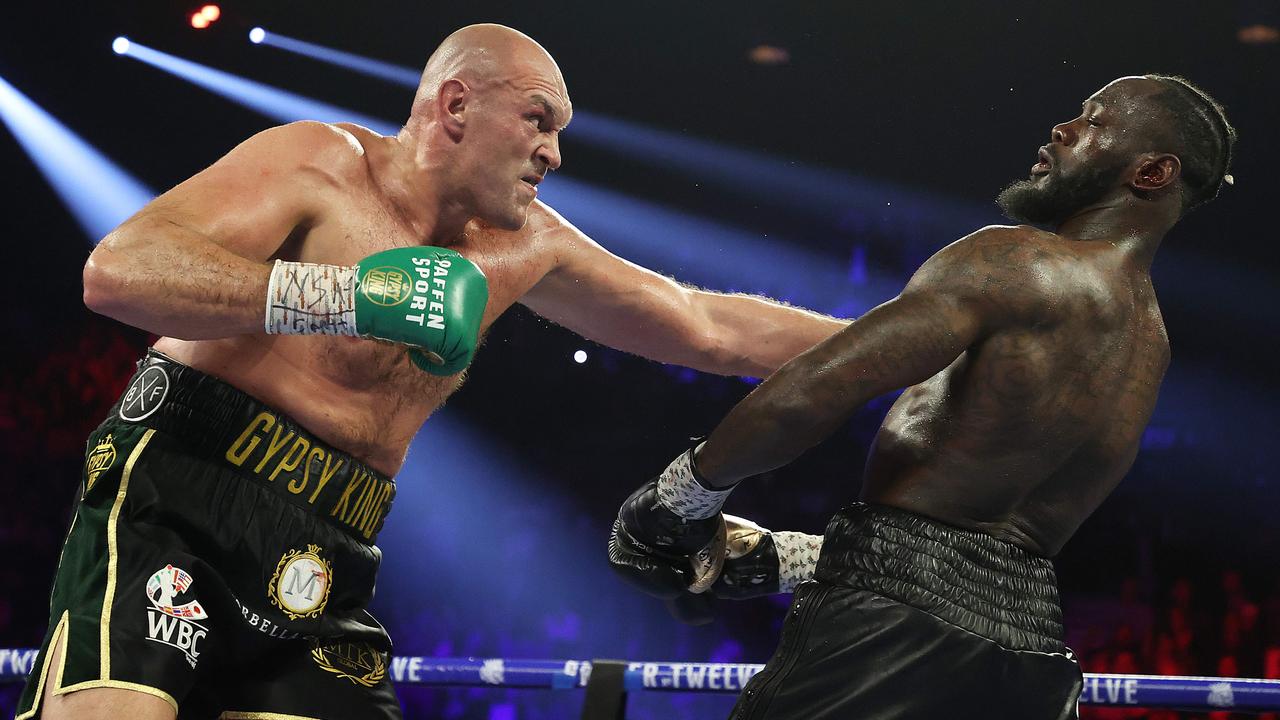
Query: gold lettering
x=273, y=447
x=341, y=505
x=378, y=513
x=350, y=516
x=325, y=476
x=234, y=454
x=301, y=445
x=362, y=517
x=296, y=487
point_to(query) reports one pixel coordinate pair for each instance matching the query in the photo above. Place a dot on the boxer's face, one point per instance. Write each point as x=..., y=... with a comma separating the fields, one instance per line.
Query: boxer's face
x=1089, y=157
x=515, y=139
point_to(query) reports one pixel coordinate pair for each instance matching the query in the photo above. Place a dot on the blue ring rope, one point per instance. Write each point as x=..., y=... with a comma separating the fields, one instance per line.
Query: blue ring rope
x=1153, y=691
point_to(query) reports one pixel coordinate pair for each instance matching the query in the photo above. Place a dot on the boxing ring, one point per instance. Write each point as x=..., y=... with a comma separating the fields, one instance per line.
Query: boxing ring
x=608, y=682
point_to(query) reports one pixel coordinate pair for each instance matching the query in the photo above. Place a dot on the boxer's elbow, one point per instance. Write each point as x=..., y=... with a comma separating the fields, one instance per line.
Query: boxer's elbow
x=106, y=276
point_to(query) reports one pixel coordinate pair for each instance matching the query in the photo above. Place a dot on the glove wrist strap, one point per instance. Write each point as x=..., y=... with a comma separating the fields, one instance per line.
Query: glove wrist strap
x=683, y=493
x=797, y=558
x=311, y=299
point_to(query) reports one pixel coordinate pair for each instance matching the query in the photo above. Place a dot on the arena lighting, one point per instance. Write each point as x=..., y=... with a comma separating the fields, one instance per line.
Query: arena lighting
x=367, y=66
x=199, y=21
x=580, y=356
x=99, y=194
x=820, y=192
x=715, y=255
x=211, y=12
x=470, y=513
x=273, y=102
x=120, y=45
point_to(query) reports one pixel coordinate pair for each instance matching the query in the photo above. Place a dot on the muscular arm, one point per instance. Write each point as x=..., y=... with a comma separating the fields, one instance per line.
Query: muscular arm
x=620, y=304
x=966, y=291
x=192, y=263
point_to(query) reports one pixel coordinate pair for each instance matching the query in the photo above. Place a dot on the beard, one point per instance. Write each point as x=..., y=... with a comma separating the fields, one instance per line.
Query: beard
x=1051, y=199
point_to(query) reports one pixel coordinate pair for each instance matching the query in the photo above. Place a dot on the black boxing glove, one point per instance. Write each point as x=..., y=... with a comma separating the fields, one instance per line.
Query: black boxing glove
x=669, y=536
x=757, y=562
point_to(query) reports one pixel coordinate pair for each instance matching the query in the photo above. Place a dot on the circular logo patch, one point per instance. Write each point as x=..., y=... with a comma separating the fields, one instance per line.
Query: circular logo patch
x=386, y=286
x=145, y=394
x=300, y=586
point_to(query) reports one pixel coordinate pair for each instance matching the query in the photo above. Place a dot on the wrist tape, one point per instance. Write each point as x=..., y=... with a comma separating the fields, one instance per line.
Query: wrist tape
x=682, y=492
x=797, y=558
x=311, y=299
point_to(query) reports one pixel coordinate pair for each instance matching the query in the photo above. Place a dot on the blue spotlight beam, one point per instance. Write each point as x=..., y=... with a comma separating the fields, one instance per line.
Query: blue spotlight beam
x=99, y=194
x=715, y=255
x=842, y=198
x=368, y=66
x=273, y=102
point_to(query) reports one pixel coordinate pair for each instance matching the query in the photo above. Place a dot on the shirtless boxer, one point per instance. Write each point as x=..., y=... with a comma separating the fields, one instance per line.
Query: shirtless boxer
x=1032, y=362
x=223, y=554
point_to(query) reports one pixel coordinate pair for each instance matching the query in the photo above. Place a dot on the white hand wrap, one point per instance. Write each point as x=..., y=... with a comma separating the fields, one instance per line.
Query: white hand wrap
x=797, y=558
x=681, y=493
x=310, y=299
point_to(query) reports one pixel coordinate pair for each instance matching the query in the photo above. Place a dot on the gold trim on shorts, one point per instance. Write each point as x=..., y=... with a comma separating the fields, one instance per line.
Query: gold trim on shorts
x=113, y=564
x=240, y=715
x=62, y=636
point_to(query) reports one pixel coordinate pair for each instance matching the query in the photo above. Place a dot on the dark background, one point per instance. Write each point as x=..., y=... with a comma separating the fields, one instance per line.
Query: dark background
x=900, y=121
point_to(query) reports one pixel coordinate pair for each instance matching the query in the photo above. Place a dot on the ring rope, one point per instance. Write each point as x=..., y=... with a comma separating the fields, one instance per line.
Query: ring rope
x=1102, y=689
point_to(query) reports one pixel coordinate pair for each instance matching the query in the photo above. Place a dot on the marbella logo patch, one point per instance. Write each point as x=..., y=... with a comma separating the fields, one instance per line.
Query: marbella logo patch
x=357, y=662
x=145, y=394
x=300, y=586
x=100, y=459
x=169, y=621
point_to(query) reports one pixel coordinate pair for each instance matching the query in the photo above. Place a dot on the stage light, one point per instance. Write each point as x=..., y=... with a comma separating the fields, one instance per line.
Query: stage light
x=257, y=35
x=199, y=21
x=376, y=68
x=211, y=12
x=99, y=194
x=120, y=45
x=580, y=356
x=273, y=102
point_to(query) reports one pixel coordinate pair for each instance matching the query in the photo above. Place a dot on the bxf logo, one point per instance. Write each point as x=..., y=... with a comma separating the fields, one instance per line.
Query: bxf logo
x=145, y=395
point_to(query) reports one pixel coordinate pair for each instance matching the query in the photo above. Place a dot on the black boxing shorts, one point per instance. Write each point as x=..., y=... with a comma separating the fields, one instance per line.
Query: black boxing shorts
x=909, y=618
x=221, y=558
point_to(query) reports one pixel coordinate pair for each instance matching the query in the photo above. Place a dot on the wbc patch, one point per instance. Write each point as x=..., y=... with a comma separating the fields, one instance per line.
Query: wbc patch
x=145, y=394
x=300, y=586
x=170, y=622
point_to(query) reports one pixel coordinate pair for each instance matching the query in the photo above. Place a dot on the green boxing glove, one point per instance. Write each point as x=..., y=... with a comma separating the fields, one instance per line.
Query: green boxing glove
x=429, y=298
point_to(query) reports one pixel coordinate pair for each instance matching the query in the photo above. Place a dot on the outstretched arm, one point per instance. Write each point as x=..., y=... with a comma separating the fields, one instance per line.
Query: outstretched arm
x=192, y=264
x=970, y=288
x=622, y=305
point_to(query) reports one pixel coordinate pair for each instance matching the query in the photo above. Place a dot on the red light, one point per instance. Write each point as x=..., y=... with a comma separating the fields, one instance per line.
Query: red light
x=211, y=12
x=199, y=21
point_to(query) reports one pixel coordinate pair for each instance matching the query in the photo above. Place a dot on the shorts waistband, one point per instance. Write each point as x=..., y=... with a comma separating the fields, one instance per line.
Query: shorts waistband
x=968, y=578
x=223, y=424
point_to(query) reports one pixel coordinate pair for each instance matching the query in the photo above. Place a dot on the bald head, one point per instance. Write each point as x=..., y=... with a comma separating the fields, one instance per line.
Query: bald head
x=482, y=56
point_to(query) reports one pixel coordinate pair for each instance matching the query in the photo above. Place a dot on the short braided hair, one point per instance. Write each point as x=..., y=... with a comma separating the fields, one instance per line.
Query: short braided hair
x=1203, y=139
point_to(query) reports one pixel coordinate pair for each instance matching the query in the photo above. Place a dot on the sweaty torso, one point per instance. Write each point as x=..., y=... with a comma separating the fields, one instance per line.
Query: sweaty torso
x=1028, y=431
x=362, y=396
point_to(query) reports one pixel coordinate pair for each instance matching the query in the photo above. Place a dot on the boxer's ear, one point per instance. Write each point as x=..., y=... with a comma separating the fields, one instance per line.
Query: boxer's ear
x=451, y=107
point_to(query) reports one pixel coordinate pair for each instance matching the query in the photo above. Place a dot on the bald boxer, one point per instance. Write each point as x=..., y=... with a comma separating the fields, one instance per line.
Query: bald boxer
x=1031, y=360
x=318, y=291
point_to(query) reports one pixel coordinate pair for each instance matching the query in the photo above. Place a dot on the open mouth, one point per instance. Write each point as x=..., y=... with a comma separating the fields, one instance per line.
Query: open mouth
x=532, y=181
x=1044, y=163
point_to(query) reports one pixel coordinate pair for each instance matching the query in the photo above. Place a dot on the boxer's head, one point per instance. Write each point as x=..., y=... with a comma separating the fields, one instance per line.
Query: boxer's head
x=496, y=101
x=1151, y=138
